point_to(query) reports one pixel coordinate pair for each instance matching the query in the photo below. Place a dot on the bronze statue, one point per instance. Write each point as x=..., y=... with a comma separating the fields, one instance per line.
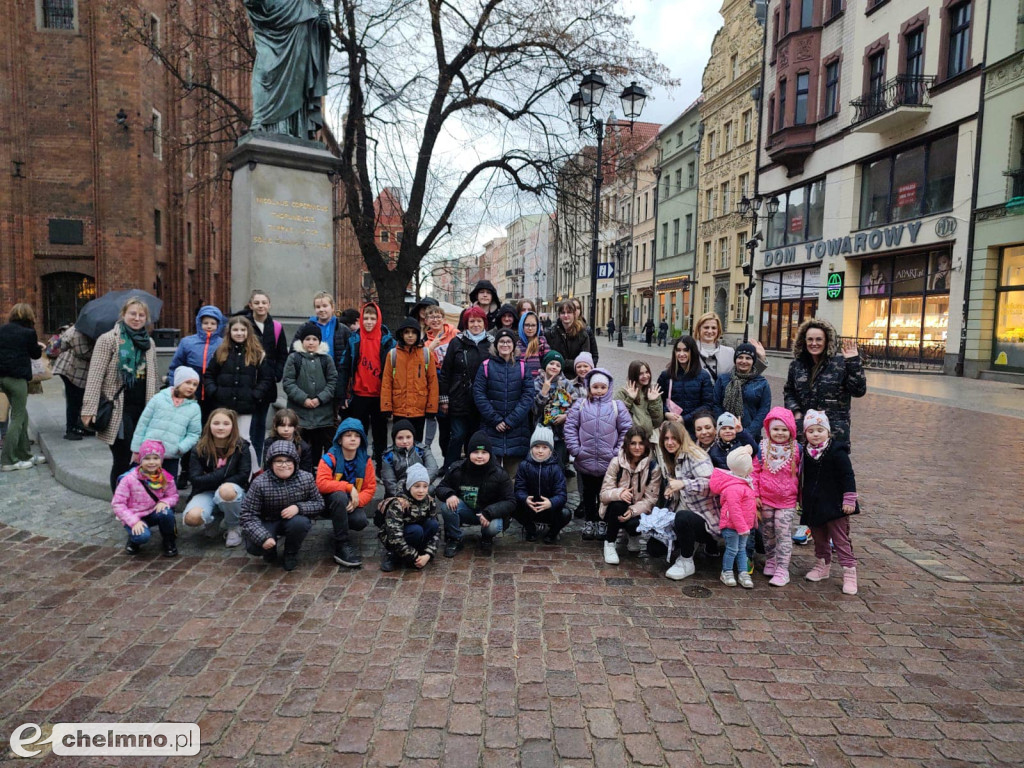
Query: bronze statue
x=289, y=78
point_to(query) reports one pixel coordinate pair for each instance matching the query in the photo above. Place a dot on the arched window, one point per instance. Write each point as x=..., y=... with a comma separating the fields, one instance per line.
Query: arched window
x=64, y=295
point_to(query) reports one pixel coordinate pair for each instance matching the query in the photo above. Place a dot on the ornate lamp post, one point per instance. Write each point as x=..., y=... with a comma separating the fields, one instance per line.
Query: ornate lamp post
x=750, y=209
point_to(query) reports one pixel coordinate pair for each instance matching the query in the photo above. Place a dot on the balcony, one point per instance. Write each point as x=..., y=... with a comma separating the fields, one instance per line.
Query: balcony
x=1016, y=201
x=900, y=102
x=791, y=146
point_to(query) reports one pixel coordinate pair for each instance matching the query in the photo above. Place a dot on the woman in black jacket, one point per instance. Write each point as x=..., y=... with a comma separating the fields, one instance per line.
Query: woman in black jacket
x=275, y=345
x=569, y=336
x=19, y=346
x=240, y=376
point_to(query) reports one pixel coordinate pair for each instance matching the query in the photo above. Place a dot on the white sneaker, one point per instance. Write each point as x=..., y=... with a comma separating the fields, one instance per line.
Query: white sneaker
x=728, y=578
x=745, y=581
x=633, y=544
x=40, y=459
x=681, y=568
x=234, y=537
x=611, y=555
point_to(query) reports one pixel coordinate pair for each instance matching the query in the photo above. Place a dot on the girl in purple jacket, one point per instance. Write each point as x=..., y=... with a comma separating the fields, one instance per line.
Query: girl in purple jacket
x=594, y=431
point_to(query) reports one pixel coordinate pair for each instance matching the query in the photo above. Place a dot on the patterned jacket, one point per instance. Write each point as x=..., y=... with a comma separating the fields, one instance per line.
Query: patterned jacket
x=75, y=354
x=104, y=377
x=269, y=494
x=696, y=493
x=403, y=510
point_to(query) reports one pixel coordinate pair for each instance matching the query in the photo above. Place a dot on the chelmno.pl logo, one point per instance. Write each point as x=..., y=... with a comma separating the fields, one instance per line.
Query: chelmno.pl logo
x=112, y=739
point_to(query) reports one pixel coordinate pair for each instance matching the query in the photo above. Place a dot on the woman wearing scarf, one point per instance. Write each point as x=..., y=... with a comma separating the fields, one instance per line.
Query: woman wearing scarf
x=715, y=357
x=744, y=392
x=531, y=345
x=123, y=370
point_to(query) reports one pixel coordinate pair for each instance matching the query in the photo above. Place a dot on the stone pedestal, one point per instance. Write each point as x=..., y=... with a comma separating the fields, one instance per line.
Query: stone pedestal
x=282, y=229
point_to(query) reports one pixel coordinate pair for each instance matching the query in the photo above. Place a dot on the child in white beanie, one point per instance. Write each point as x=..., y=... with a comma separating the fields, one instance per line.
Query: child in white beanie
x=411, y=531
x=173, y=417
x=540, y=488
x=739, y=513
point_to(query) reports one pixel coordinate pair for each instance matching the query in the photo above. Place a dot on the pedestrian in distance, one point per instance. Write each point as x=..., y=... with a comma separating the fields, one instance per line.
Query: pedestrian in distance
x=738, y=514
x=409, y=535
x=649, y=331
x=662, y=332
x=144, y=499
x=685, y=386
x=173, y=418
x=346, y=478
x=309, y=383
x=286, y=426
x=19, y=346
x=72, y=366
x=777, y=485
x=629, y=490
x=540, y=489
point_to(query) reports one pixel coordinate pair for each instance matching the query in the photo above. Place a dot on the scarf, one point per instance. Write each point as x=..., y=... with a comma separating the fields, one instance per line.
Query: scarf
x=369, y=369
x=710, y=359
x=131, y=354
x=779, y=455
x=733, y=399
x=816, y=453
x=155, y=483
x=476, y=338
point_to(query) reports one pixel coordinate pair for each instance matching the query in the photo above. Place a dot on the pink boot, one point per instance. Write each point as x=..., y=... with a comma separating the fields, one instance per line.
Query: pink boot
x=781, y=578
x=850, y=581
x=769, y=567
x=820, y=571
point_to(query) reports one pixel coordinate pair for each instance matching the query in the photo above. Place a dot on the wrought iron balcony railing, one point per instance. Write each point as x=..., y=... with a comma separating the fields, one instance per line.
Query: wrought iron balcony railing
x=901, y=91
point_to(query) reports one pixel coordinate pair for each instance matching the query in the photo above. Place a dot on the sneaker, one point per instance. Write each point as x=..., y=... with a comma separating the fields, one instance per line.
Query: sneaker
x=681, y=568
x=72, y=434
x=550, y=537
x=745, y=581
x=17, y=465
x=40, y=459
x=387, y=561
x=588, y=531
x=452, y=547
x=769, y=568
x=601, y=530
x=801, y=534
x=611, y=555
x=212, y=529
x=131, y=548
x=780, y=579
x=728, y=579
x=633, y=544
x=291, y=560
x=270, y=556
x=170, y=549
x=346, y=554
x=486, y=547
x=850, y=581
x=234, y=537
x=819, y=572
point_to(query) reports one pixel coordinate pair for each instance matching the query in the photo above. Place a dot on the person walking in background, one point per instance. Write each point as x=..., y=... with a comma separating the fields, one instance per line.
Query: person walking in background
x=649, y=331
x=19, y=346
x=662, y=332
x=72, y=366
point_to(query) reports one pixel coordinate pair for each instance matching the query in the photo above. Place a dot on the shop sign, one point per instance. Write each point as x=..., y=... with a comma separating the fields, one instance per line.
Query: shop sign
x=796, y=224
x=770, y=286
x=908, y=276
x=861, y=242
x=906, y=194
x=834, y=285
x=791, y=281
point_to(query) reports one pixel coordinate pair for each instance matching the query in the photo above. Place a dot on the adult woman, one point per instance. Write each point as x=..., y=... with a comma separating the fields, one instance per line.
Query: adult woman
x=715, y=357
x=685, y=383
x=439, y=336
x=525, y=305
x=578, y=305
x=275, y=347
x=503, y=393
x=73, y=368
x=19, y=346
x=123, y=370
x=744, y=392
x=824, y=375
x=641, y=398
x=455, y=382
x=570, y=336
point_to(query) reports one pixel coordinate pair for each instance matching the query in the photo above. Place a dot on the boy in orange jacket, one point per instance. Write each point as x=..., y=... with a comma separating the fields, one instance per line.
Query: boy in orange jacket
x=409, y=385
x=346, y=478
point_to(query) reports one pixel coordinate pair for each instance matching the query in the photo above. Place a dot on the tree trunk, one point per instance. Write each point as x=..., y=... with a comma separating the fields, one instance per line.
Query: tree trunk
x=391, y=294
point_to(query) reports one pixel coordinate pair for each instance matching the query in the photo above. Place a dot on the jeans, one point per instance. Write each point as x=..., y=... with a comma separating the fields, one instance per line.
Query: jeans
x=463, y=515
x=16, y=447
x=343, y=520
x=163, y=520
x=211, y=505
x=293, y=530
x=735, y=550
x=419, y=535
x=462, y=428
x=73, y=395
x=611, y=517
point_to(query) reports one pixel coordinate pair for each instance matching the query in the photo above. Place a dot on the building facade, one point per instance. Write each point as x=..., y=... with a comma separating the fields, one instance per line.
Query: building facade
x=676, y=226
x=869, y=143
x=526, y=259
x=640, y=280
x=728, y=160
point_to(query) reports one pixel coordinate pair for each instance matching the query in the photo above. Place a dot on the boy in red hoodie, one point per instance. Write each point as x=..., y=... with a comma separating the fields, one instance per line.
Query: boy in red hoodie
x=739, y=513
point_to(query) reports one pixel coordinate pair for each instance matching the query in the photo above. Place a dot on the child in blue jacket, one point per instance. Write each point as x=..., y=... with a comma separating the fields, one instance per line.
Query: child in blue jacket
x=540, y=489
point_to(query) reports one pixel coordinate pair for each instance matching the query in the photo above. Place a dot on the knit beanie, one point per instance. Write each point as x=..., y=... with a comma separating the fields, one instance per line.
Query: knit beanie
x=739, y=461
x=475, y=311
x=550, y=355
x=726, y=420
x=416, y=473
x=504, y=333
x=583, y=357
x=183, y=373
x=479, y=442
x=543, y=436
x=816, y=418
x=310, y=329
x=598, y=378
x=746, y=348
x=401, y=424
x=151, y=447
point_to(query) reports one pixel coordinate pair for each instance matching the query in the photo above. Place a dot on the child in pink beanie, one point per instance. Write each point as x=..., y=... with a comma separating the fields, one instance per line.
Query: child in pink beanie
x=145, y=497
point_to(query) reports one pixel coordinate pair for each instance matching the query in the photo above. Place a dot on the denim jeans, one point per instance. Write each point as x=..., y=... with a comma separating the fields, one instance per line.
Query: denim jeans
x=293, y=530
x=735, y=550
x=463, y=515
x=462, y=428
x=258, y=429
x=212, y=506
x=419, y=535
x=163, y=520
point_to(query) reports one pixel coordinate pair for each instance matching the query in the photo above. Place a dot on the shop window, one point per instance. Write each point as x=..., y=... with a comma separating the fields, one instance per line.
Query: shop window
x=914, y=182
x=941, y=175
x=815, y=210
x=1008, y=346
x=795, y=215
x=831, y=88
x=777, y=225
x=800, y=217
x=907, y=175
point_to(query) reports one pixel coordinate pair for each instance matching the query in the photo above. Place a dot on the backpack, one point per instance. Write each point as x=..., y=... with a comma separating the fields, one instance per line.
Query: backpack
x=393, y=357
x=277, y=332
x=522, y=368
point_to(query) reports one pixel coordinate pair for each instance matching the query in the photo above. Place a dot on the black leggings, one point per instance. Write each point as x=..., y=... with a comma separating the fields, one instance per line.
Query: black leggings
x=690, y=528
x=591, y=489
x=611, y=517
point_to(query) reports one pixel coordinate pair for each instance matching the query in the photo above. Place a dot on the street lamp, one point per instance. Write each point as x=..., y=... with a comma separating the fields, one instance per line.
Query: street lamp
x=750, y=209
x=583, y=106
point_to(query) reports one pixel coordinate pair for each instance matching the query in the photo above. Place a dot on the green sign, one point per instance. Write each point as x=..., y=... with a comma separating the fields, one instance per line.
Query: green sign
x=834, y=285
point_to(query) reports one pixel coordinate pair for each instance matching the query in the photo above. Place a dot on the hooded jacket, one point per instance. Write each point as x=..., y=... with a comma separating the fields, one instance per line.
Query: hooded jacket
x=503, y=392
x=532, y=361
x=547, y=479
x=132, y=502
x=330, y=473
x=824, y=481
x=492, y=312
x=196, y=351
x=236, y=384
x=503, y=310
x=409, y=387
x=402, y=510
x=351, y=356
x=273, y=339
x=738, y=505
x=310, y=375
x=644, y=480
x=176, y=426
x=458, y=373
x=396, y=462
x=757, y=399
x=778, y=486
x=269, y=494
x=594, y=429
x=486, y=489
x=830, y=388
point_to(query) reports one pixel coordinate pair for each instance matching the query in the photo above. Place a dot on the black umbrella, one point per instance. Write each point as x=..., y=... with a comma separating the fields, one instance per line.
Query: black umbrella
x=99, y=315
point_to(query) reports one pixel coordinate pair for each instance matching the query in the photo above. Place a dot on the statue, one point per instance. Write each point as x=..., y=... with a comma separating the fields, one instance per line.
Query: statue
x=289, y=77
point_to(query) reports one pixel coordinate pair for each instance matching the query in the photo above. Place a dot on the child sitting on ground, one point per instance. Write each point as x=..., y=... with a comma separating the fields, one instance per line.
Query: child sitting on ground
x=346, y=478
x=410, y=532
x=403, y=454
x=145, y=497
x=540, y=488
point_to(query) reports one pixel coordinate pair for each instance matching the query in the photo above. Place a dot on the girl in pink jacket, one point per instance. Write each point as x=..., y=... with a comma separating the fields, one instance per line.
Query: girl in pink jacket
x=145, y=497
x=777, y=483
x=739, y=513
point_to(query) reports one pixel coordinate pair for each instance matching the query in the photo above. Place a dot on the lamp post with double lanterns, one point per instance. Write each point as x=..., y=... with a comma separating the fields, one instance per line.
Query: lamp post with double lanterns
x=751, y=209
x=583, y=105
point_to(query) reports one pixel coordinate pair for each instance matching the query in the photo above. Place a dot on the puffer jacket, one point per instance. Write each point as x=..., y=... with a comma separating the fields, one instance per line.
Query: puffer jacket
x=646, y=413
x=269, y=494
x=571, y=346
x=594, y=429
x=738, y=502
x=396, y=462
x=196, y=351
x=824, y=482
x=644, y=480
x=495, y=498
x=719, y=451
x=777, y=484
x=545, y=479
x=176, y=426
x=132, y=502
x=503, y=392
x=206, y=476
x=409, y=385
x=458, y=373
x=310, y=375
x=757, y=400
x=837, y=381
x=237, y=385
x=334, y=333
x=75, y=354
x=688, y=392
x=400, y=511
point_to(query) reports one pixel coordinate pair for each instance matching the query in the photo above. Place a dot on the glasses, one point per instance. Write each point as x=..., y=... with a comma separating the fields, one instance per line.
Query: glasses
x=282, y=462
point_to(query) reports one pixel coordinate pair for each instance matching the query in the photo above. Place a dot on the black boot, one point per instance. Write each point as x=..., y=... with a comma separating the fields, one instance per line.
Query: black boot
x=131, y=548
x=387, y=561
x=291, y=560
x=170, y=548
x=346, y=554
x=270, y=556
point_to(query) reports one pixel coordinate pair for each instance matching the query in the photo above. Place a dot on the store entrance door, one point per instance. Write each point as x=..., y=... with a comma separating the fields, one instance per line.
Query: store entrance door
x=793, y=313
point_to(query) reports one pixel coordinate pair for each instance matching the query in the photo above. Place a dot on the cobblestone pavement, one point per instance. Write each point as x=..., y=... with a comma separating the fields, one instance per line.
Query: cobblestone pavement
x=545, y=656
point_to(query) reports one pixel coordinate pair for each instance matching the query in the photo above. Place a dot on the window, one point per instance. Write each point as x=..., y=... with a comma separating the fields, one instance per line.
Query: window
x=835, y=7
x=785, y=16
x=802, y=86
x=738, y=313
x=156, y=125
x=188, y=237
x=734, y=65
x=664, y=238
x=742, y=253
x=771, y=114
x=876, y=76
x=782, y=104
x=744, y=188
x=675, y=236
x=801, y=215
x=725, y=198
x=154, y=31
x=913, y=66
x=831, y=88
x=158, y=227
x=646, y=202
x=689, y=232
x=746, y=126
x=58, y=14
x=384, y=236
x=66, y=231
x=691, y=174
x=709, y=205
x=913, y=182
x=723, y=253
x=707, y=257
x=711, y=146
x=806, y=13
x=679, y=180
x=728, y=136
x=959, y=39
x=706, y=299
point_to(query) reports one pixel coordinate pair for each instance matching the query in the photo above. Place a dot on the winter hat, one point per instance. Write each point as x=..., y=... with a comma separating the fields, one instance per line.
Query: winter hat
x=182, y=374
x=726, y=420
x=310, y=329
x=479, y=442
x=544, y=436
x=409, y=323
x=739, y=461
x=151, y=447
x=349, y=316
x=583, y=357
x=504, y=333
x=416, y=473
x=746, y=348
x=783, y=416
x=816, y=418
x=401, y=424
x=475, y=311
x=550, y=355
x=598, y=378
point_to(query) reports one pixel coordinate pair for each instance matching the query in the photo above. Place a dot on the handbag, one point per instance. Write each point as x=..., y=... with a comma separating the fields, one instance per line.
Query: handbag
x=41, y=370
x=673, y=407
x=105, y=411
